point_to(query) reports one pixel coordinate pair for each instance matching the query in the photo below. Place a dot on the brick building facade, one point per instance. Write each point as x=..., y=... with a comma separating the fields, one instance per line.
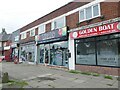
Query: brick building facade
x=5, y=45
x=69, y=37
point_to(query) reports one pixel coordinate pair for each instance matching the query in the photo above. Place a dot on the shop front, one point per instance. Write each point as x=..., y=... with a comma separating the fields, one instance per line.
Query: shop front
x=98, y=49
x=27, y=52
x=15, y=51
x=53, y=48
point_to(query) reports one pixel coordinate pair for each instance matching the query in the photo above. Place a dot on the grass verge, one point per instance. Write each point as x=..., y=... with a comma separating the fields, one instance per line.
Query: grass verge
x=95, y=74
x=17, y=83
x=74, y=71
x=108, y=77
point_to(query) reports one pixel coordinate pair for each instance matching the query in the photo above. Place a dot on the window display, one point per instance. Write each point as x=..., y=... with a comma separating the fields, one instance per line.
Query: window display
x=107, y=52
x=28, y=53
x=54, y=53
x=85, y=53
x=102, y=50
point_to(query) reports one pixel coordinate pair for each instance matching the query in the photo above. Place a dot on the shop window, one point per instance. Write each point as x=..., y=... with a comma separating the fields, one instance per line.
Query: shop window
x=114, y=36
x=89, y=12
x=58, y=23
x=119, y=52
x=85, y=53
x=102, y=50
x=107, y=52
x=58, y=53
x=41, y=29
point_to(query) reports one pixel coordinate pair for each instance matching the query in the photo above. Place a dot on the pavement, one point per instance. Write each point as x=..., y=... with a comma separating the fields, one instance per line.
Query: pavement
x=39, y=76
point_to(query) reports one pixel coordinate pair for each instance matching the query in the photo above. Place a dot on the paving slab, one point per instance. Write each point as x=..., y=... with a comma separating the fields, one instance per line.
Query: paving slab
x=63, y=79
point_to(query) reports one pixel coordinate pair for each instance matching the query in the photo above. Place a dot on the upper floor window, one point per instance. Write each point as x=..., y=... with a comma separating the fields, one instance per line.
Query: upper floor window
x=96, y=10
x=58, y=23
x=41, y=29
x=89, y=12
x=32, y=32
x=23, y=35
x=16, y=38
x=82, y=15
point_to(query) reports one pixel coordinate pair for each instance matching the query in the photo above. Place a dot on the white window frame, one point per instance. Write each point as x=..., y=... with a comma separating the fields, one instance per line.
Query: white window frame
x=55, y=21
x=32, y=32
x=0, y=44
x=23, y=35
x=92, y=12
x=16, y=38
x=43, y=31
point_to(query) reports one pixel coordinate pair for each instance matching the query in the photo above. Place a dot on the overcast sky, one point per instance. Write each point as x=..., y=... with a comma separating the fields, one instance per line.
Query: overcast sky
x=17, y=13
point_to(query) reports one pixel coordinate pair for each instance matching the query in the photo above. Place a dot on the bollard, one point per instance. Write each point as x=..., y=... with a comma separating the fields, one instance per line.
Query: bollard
x=5, y=78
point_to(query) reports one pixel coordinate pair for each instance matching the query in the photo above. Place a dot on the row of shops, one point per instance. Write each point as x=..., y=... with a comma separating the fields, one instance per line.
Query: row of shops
x=95, y=46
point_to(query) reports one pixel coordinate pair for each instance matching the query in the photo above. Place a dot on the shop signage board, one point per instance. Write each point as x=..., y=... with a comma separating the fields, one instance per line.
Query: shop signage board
x=53, y=35
x=6, y=47
x=95, y=31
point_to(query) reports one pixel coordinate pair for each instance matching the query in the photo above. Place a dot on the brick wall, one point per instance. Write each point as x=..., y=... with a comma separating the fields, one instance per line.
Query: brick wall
x=98, y=69
x=48, y=27
x=30, y=39
x=72, y=20
x=109, y=10
x=36, y=31
x=119, y=9
x=28, y=34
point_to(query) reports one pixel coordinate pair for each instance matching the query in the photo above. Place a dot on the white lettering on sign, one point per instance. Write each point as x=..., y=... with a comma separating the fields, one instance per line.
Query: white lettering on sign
x=106, y=27
x=98, y=30
x=82, y=32
x=91, y=30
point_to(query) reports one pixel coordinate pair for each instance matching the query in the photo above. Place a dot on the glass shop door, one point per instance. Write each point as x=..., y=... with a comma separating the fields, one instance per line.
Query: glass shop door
x=41, y=60
x=47, y=53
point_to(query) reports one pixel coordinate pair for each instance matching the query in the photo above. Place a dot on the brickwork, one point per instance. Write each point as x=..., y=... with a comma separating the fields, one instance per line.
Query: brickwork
x=72, y=20
x=109, y=10
x=36, y=31
x=27, y=40
x=98, y=69
x=28, y=34
x=48, y=27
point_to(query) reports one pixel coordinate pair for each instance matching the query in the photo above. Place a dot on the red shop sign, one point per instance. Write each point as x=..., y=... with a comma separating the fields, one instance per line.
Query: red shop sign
x=99, y=30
